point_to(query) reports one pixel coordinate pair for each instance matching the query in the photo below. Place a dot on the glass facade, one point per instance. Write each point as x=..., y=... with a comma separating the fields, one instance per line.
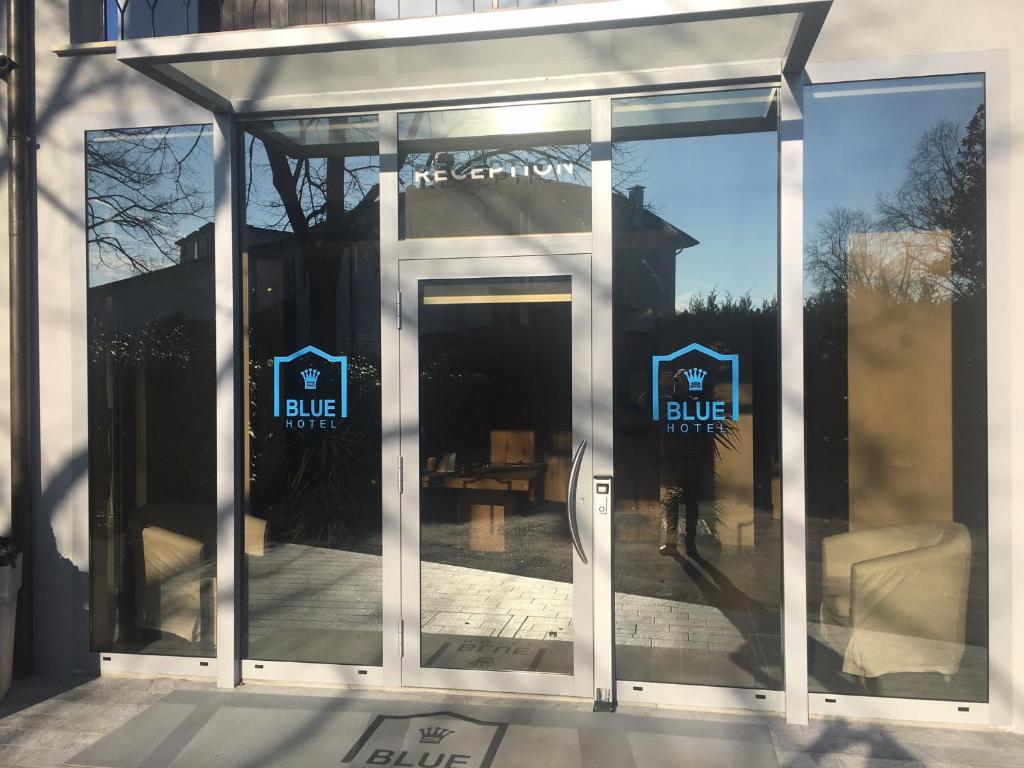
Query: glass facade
x=895, y=361
x=895, y=395
x=151, y=406
x=311, y=263
x=696, y=360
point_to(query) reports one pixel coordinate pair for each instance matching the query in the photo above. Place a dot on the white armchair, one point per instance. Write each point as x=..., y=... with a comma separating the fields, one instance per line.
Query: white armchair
x=172, y=568
x=895, y=597
x=171, y=577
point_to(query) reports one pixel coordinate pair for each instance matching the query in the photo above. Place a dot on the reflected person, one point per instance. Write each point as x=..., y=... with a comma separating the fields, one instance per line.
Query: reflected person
x=686, y=459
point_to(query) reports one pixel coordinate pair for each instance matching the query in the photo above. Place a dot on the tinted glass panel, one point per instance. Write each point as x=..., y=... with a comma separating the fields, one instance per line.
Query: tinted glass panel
x=152, y=462
x=517, y=170
x=895, y=398
x=495, y=435
x=312, y=292
x=697, y=513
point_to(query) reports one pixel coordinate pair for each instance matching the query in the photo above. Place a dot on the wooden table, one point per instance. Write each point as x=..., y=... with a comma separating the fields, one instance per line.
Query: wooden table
x=511, y=478
x=485, y=494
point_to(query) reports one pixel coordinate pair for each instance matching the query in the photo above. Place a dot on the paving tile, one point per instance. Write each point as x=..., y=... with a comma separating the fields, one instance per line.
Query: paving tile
x=46, y=738
x=789, y=759
x=50, y=731
x=35, y=757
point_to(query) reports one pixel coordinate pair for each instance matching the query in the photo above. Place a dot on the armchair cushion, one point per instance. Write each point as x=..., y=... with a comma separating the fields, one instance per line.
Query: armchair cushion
x=170, y=588
x=257, y=533
x=894, y=598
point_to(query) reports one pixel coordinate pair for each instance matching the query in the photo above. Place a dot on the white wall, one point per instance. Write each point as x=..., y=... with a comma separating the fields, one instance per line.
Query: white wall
x=72, y=94
x=72, y=90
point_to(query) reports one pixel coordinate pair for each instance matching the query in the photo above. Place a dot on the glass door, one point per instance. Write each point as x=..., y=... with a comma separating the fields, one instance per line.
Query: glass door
x=496, y=514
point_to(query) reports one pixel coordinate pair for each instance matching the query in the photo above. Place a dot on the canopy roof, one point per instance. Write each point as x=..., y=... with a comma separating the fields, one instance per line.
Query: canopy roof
x=602, y=46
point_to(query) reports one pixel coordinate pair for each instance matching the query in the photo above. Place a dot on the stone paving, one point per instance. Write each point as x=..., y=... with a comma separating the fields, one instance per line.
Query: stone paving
x=124, y=723
x=298, y=587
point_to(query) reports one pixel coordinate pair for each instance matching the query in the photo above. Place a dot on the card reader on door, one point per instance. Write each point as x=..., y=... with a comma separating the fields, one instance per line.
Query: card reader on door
x=602, y=494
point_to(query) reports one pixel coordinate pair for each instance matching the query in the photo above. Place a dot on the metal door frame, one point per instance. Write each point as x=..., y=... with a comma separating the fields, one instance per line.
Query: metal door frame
x=411, y=272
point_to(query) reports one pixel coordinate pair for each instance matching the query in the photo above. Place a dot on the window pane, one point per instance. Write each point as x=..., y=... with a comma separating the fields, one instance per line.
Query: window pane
x=895, y=396
x=152, y=390
x=311, y=260
x=495, y=388
x=697, y=514
x=518, y=170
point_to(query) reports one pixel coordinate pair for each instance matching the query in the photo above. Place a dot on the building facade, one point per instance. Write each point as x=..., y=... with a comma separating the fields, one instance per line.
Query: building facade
x=655, y=351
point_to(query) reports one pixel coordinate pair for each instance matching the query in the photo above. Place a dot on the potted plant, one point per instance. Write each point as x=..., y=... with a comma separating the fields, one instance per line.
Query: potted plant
x=10, y=583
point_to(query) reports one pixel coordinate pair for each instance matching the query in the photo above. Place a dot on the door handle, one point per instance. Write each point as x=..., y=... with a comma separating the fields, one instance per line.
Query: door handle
x=570, y=500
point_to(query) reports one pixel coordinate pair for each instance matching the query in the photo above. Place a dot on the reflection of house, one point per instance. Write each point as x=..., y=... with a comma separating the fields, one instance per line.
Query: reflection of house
x=645, y=279
x=738, y=478
x=151, y=370
x=198, y=245
x=151, y=364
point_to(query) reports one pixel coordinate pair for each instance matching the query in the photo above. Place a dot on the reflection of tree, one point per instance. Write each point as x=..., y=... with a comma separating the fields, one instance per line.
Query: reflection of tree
x=690, y=461
x=913, y=270
x=462, y=162
x=944, y=190
x=330, y=472
x=328, y=201
x=926, y=241
x=174, y=339
x=143, y=186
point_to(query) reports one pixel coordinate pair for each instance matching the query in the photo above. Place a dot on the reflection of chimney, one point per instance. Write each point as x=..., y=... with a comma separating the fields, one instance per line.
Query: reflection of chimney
x=444, y=161
x=636, y=196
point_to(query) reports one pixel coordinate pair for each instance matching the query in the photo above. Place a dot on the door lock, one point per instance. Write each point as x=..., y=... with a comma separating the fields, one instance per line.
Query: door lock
x=603, y=494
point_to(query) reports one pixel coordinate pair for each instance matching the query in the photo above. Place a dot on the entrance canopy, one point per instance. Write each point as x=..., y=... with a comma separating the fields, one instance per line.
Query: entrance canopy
x=613, y=45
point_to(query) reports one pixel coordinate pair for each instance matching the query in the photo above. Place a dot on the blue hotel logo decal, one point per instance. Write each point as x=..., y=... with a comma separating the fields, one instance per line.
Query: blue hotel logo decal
x=311, y=389
x=683, y=397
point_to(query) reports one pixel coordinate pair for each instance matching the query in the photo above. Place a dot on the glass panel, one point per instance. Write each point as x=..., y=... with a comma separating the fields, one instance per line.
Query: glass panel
x=152, y=390
x=518, y=170
x=495, y=436
x=696, y=355
x=540, y=55
x=700, y=114
x=895, y=398
x=312, y=290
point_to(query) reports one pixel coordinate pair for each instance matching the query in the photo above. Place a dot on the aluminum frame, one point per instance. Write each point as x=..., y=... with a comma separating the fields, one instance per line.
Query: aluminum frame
x=1005, y=530
x=388, y=673
x=602, y=397
x=791, y=345
x=730, y=697
x=78, y=495
x=230, y=434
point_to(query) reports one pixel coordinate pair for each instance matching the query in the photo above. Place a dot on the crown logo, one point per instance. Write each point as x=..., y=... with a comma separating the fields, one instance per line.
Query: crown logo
x=695, y=379
x=434, y=735
x=310, y=376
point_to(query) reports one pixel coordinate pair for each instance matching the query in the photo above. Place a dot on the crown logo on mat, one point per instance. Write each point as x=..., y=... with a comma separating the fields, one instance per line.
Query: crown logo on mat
x=695, y=378
x=434, y=735
x=310, y=377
